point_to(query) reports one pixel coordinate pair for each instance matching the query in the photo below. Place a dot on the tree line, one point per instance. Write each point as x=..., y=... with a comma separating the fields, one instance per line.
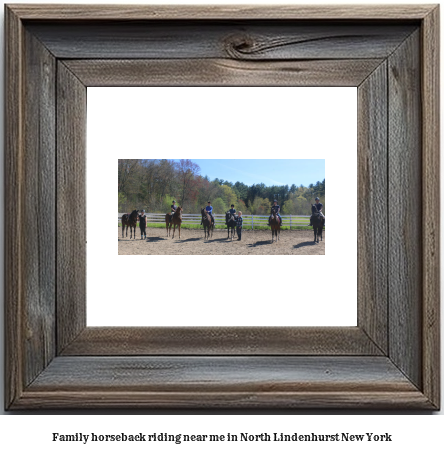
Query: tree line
x=153, y=184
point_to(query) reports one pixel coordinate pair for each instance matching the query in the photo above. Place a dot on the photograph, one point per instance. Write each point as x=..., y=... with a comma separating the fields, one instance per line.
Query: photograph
x=198, y=207
x=245, y=316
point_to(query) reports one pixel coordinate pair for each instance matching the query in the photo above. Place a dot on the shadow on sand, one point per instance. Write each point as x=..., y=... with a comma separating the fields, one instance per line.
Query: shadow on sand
x=258, y=243
x=154, y=239
x=219, y=240
x=180, y=241
x=304, y=244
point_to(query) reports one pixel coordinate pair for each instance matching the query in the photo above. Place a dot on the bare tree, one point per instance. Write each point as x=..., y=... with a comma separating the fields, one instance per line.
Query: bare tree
x=127, y=169
x=188, y=173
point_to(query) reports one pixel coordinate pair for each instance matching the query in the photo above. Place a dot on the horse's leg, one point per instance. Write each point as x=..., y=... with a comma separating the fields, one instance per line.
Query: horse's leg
x=179, y=230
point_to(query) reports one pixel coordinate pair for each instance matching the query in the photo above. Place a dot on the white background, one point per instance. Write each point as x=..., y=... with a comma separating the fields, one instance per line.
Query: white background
x=222, y=122
x=30, y=434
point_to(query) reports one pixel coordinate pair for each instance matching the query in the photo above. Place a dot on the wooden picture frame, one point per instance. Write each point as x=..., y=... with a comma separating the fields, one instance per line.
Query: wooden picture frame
x=390, y=360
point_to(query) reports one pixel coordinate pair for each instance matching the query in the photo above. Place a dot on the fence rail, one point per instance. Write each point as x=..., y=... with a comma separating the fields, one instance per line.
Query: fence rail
x=250, y=221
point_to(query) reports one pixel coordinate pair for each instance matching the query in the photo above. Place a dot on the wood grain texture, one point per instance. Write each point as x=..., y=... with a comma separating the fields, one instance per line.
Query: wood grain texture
x=233, y=382
x=221, y=72
x=39, y=149
x=267, y=42
x=372, y=207
x=13, y=205
x=127, y=341
x=220, y=12
x=405, y=209
x=258, y=40
x=431, y=201
x=71, y=199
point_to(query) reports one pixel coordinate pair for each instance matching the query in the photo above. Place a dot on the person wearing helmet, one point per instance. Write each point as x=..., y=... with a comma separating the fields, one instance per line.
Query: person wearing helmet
x=319, y=207
x=277, y=209
x=173, y=210
x=232, y=210
x=142, y=224
x=209, y=210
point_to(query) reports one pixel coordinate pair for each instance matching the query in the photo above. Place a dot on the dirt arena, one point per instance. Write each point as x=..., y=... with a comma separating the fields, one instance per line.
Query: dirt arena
x=192, y=242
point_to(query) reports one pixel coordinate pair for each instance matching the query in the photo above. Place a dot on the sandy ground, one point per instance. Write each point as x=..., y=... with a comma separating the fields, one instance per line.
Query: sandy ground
x=192, y=242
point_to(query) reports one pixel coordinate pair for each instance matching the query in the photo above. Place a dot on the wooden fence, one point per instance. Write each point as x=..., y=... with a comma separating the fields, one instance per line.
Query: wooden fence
x=250, y=221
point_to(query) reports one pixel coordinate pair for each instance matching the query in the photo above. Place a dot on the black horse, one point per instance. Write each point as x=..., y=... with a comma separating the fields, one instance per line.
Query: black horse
x=130, y=220
x=318, y=223
x=230, y=221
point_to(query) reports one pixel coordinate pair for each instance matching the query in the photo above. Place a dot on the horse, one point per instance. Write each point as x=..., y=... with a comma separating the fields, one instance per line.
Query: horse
x=207, y=224
x=130, y=220
x=318, y=223
x=230, y=221
x=175, y=220
x=275, y=224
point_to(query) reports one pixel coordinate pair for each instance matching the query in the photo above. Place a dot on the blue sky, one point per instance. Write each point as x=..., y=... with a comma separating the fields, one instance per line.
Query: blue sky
x=269, y=172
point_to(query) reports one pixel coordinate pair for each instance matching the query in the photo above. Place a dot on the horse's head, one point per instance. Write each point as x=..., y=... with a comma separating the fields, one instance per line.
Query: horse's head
x=314, y=209
x=179, y=210
x=134, y=215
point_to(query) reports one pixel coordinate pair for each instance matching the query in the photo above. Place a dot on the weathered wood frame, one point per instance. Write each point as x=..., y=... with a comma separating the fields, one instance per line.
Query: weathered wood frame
x=390, y=360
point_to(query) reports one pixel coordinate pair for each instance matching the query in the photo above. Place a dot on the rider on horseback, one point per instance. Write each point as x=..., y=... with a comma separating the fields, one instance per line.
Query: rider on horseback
x=173, y=210
x=319, y=207
x=276, y=208
x=209, y=210
x=232, y=211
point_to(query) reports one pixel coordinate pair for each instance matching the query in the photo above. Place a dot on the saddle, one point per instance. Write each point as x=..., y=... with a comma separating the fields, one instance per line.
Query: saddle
x=319, y=214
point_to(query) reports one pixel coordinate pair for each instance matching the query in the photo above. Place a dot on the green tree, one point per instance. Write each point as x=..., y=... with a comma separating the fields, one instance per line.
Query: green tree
x=219, y=206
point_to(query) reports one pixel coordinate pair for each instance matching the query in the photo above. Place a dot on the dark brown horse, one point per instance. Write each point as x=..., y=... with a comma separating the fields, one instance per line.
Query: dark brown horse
x=207, y=223
x=318, y=223
x=230, y=221
x=130, y=220
x=175, y=220
x=275, y=224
